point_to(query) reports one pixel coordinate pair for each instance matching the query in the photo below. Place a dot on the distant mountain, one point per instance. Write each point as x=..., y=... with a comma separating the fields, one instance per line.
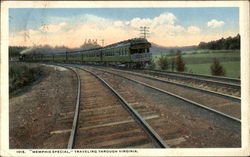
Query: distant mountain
x=157, y=49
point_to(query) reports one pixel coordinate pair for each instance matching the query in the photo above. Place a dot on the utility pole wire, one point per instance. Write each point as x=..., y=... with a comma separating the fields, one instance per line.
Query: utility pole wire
x=102, y=42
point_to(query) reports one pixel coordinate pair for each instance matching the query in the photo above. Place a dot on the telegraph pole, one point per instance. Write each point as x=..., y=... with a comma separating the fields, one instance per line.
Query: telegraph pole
x=144, y=32
x=102, y=42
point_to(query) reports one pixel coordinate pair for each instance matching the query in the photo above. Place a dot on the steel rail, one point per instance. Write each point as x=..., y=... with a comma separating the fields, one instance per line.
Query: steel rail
x=177, y=96
x=156, y=139
x=71, y=140
x=206, y=80
x=75, y=121
x=237, y=99
x=236, y=81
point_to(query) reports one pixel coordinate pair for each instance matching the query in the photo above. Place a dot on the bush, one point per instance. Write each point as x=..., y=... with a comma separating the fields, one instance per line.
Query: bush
x=180, y=65
x=151, y=64
x=172, y=64
x=163, y=62
x=21, y=75
x=217, y=69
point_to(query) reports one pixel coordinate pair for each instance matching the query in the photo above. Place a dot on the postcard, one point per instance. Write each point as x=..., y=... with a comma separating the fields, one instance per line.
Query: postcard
x=125, y=78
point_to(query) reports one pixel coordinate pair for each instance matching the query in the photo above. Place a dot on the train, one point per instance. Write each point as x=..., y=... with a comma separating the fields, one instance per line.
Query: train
x=132, y=53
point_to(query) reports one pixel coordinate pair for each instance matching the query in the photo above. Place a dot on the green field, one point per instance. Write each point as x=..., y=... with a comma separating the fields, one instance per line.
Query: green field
x=232, y=68
x=199, y=62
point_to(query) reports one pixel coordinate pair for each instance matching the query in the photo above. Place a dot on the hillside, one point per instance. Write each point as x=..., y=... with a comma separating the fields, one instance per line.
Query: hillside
x=157, y=49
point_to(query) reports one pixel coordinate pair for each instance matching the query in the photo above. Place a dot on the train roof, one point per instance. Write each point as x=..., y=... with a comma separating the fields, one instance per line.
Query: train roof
x=129, y=42
x=132, y=41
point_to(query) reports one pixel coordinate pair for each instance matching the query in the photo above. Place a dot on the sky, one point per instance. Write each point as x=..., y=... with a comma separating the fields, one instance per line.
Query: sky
x=70, y=27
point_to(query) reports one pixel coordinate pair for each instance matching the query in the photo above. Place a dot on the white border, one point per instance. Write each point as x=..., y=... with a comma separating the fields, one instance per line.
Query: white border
x=245, y=64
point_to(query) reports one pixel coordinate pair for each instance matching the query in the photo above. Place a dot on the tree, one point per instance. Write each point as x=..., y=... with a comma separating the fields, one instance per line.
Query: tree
x=180, y=65
x=163, y=62
x=172, y=64
x=171, y=51
x=217, y=69
x=14, y=51
x=230, y=43
x=151, y=64
x=89, y=45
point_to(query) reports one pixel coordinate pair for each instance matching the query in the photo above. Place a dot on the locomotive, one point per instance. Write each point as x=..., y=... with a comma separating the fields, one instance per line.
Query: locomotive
x=132, y=53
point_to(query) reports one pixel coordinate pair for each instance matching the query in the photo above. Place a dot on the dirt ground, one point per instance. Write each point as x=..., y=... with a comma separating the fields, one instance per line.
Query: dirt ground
x=34, y=112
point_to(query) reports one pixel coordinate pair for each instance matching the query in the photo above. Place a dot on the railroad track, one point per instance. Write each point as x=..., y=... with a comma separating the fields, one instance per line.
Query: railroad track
x=222, y=85
x=216, y=79
x=180, y=124
x=224, y=104
x=103, y=121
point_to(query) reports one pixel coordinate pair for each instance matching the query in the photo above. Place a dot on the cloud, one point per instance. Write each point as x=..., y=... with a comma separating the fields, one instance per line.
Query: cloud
x=73, y=31
x=53, y=28
x=165, y=29
x=215, y=23
x=193, y=30
x=164, y=24
x=27, y=32
x=165, y=18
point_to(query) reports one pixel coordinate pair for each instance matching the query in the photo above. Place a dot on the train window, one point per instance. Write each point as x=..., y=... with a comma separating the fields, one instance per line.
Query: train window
x=147, y=49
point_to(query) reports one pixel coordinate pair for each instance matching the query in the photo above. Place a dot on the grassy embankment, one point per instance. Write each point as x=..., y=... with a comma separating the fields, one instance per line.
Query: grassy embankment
x=199, y=62
x=22, y=74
